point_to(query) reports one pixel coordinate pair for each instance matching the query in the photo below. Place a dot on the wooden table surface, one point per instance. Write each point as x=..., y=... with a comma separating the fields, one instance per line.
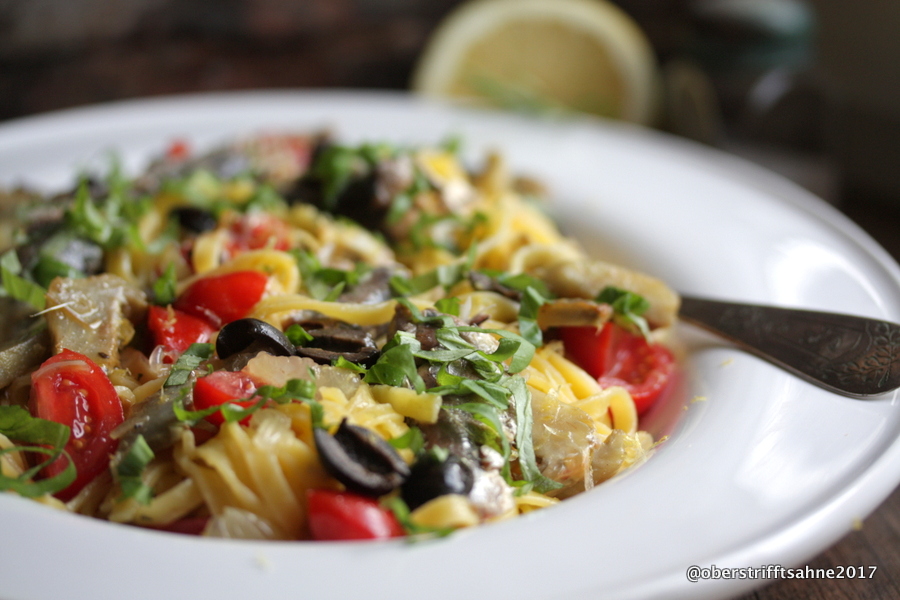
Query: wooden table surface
x=877, y=542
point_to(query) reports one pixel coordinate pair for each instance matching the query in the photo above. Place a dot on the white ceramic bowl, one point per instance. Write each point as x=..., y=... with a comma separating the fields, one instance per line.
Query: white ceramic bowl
x=766, y=470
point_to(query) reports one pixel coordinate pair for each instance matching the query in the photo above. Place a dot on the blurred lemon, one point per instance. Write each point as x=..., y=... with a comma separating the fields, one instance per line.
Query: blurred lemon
x=539, y=55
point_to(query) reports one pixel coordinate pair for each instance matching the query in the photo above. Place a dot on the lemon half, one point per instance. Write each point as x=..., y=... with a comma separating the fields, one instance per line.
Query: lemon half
x=581, y=55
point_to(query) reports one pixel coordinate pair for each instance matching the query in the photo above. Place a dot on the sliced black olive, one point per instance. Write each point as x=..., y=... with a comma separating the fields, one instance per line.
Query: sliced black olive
x=431, y=477
x=340, y=340
x=374, y=287
x=426, y=333
x=364, y=462
x=195, y=219
x=252, y=335
x=481, y=281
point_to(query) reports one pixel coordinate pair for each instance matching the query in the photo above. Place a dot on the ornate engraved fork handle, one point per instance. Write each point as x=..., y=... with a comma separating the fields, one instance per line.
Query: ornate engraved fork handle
x=854, y=356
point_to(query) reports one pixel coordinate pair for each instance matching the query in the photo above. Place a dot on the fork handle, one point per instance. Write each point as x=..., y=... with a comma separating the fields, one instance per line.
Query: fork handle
x=854, y=356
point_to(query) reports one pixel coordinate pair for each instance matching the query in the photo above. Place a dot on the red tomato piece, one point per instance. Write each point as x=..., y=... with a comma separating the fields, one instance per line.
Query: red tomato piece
x=71, y=389
x=259, y=230
x=615, y=356
x=178, y=150
x=345, y=516
x=177, y=330
x=221, y=299
x=220, y=387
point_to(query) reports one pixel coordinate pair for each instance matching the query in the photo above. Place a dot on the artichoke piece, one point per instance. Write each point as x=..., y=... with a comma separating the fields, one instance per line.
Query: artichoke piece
x=93, y=315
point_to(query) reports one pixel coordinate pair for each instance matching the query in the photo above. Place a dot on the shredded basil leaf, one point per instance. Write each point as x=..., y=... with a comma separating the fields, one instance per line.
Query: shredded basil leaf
x=519, y=282
x=48, y=268
x=400, y=206
x=489, y=416
x=295, y=390
x=17, y=424
x=164, y=288
x=628, y=308
x=396, y=505
x=523, y=354
x=297, y=335
x=494, y=394
x=412, y=439
x=191, y=417
x=343, y=363
x=443, y=275
x=18, y=287
x=524, y=441
x=265, y=198
x=110, y=222
x=130, y=471
x=39, y=436
x=449, y=306
x=325, y=283
x=397, y=365
x=528, y=312
x=189, y=360
x=338, y=165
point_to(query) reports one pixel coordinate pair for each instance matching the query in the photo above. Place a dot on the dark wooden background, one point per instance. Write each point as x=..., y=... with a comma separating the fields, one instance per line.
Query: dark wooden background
x=58, y=54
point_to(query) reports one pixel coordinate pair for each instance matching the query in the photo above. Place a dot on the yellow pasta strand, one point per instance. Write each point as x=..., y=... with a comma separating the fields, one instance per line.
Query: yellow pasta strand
x=273, y=308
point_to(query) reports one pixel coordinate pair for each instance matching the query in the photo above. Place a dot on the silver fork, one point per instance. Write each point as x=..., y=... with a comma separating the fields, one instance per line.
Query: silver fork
x=853, y=356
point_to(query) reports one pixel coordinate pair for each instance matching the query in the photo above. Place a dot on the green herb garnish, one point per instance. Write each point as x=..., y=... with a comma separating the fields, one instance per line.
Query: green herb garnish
x=165, y=287
x=38, y=436
x=130, y=471
x=189, y=360
x=628, y=308
x=297, y=335
x=18, y=287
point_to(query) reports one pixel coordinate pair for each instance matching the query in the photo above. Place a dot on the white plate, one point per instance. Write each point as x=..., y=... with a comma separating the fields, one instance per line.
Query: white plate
x=767, y=470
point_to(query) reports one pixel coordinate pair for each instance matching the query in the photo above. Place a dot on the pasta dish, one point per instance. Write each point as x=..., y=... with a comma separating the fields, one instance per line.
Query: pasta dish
x=290, y=338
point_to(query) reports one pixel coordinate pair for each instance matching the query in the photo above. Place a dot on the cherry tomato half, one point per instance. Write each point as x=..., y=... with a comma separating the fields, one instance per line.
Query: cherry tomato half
x=221, y=299
x=176, y=330
x=178, y=150
x=71, y=389
x=258, y=230
x=345, y=516
x=615, y=356
x=220, y=387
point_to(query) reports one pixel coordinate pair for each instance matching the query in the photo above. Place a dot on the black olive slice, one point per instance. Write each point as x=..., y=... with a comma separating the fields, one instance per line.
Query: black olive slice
x=364, y=462
x=329, y=343
x=195, y=219
x=252, y=335
x=431, y=477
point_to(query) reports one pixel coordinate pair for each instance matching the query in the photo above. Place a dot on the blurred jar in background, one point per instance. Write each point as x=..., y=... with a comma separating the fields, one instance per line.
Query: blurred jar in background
x=743, y=75
x=814, y=83
x=741, y=68
x=859, y=48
